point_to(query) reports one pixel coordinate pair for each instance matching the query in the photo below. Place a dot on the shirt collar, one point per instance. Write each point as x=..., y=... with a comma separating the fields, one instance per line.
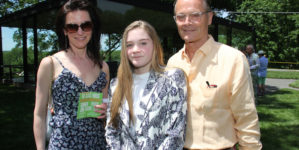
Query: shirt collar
x=206, y=48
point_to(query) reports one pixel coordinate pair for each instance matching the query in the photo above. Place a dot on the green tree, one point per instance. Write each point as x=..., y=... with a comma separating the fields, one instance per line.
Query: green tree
x=113, y=44
x=14, y=57
x=47, y=42
x=10, y=6
x=277, y=33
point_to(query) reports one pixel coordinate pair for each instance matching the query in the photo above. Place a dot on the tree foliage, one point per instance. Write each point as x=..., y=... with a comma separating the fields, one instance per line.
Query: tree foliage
x=46, y=43
x=113, y=43
x=277, y=33
x=10, y=6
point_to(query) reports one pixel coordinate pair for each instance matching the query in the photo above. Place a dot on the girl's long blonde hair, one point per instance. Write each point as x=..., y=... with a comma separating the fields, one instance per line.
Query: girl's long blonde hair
x=123, y=89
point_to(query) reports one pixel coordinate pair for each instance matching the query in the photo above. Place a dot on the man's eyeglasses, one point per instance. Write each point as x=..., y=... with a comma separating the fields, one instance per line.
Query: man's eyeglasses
x=72, y=28
x=194, y=16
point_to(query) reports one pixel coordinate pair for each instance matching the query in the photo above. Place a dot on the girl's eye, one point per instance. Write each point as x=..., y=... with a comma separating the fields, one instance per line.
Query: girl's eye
x=143, y=43
x=129, y=45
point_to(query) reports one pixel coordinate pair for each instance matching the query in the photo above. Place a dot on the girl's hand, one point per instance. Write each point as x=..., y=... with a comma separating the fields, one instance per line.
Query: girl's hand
x=101, y=109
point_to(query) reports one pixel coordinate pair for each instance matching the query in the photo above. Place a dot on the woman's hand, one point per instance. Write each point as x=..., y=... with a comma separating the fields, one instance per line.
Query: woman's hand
x=101, y=109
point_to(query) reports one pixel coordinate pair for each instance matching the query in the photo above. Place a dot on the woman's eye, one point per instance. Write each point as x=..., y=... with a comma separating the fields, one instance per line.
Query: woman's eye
x=143, y=43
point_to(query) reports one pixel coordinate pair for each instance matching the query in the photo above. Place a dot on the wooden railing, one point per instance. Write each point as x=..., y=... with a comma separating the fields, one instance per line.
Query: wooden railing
x=15, y=73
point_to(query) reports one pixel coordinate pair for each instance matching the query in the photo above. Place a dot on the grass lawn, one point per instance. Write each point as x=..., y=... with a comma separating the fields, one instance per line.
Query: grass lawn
x=16, y=115
x=295, y=84
x=278, y=113
x=283, y=74
x=279, y=120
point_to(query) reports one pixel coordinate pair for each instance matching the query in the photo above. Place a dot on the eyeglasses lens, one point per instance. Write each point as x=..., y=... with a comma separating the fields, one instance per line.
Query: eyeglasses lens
x=194, y=16
x=72, y=28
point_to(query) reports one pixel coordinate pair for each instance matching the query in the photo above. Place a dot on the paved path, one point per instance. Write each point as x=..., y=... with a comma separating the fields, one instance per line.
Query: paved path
x=269, y=69
x=273, y=85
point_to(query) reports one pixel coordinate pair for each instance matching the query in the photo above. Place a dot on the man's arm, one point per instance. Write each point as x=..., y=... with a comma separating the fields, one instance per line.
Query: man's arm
x=243, y=107
x=256, y=62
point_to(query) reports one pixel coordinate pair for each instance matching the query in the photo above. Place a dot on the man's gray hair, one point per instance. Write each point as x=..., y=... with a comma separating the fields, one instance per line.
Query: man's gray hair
x=251, y=46
x=206, y=5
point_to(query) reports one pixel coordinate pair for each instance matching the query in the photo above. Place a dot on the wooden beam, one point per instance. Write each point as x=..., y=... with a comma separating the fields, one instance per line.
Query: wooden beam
x=35, y=43
x=229, y=35
x=1, y=56
x=24, y=37
x=215, y=31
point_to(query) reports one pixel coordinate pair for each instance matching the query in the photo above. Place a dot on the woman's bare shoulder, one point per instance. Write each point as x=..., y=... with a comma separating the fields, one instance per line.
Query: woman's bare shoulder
x=105, y=67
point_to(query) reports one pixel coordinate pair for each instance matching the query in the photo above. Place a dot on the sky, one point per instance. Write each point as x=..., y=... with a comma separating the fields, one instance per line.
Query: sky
x=8, y=43
x=7, y=40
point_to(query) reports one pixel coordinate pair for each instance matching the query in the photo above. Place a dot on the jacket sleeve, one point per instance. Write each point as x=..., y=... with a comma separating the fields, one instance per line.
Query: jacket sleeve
x=112, y=135
x=256, y=62
x=243, y=107
x=177, y=113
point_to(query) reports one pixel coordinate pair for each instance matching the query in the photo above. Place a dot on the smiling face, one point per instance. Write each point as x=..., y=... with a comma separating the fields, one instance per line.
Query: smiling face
x=193, y=30
x=139, y=47
x=79, y=39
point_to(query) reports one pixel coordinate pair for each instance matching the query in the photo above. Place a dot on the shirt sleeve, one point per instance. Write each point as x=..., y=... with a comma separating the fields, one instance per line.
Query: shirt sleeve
x=243, y=107
x=256, y=62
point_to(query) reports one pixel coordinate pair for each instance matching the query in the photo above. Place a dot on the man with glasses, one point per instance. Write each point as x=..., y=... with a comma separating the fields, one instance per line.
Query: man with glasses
x=221, y=109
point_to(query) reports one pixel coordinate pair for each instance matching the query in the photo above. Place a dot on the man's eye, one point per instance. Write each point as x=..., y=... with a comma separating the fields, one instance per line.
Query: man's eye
x=195, y=15
x=181, y=16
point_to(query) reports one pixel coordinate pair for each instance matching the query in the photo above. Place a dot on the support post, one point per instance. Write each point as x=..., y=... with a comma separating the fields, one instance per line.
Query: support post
x=25, y=63
x=35, y=43
x=229, y=36
x=1, y=56
x=215, y=32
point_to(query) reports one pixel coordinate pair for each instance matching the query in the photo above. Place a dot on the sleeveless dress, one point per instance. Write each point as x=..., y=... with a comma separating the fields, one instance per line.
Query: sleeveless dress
x=68, y=132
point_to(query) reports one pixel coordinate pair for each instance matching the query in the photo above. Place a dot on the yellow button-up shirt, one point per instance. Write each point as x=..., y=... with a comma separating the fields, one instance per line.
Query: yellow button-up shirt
x=224, y=113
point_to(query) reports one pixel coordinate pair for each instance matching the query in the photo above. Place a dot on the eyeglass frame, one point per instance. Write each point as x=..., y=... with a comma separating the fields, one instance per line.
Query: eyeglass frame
x=193, y=13
x=81, y=26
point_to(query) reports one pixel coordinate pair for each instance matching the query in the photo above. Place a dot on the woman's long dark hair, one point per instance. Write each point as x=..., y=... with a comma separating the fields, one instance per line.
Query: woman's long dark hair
x=93, y=46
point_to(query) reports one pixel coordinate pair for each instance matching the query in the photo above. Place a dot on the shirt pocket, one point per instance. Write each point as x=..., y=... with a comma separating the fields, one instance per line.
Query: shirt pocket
x=203, y=96
x=207, y=89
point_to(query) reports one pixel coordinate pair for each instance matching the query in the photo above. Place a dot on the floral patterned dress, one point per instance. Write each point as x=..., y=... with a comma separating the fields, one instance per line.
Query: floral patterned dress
x=68, y=132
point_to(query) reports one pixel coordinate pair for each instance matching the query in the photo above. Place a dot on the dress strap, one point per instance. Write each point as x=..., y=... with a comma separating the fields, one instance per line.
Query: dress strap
x=59, y=61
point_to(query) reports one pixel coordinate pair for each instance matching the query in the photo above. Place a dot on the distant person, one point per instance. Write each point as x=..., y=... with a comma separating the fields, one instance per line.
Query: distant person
x=243, y=50
x=254, y=64
x=221, y=110
x=148, y=104
x=77, y=68
x=262, y=72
